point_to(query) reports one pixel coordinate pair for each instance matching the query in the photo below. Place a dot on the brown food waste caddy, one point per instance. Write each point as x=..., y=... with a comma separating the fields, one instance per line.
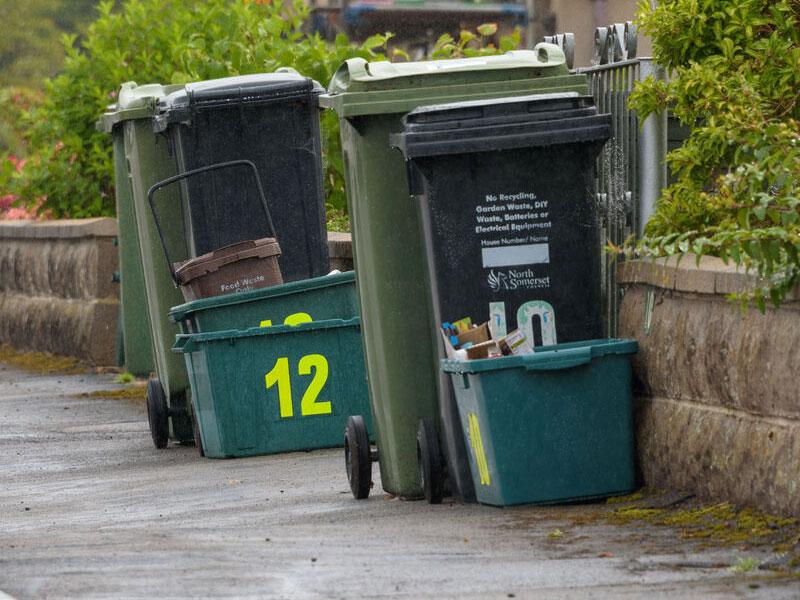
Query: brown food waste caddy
x=245, y=265
x=240, y=267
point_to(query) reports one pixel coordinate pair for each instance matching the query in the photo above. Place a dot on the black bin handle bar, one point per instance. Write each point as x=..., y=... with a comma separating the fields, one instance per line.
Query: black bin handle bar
x=175, y=178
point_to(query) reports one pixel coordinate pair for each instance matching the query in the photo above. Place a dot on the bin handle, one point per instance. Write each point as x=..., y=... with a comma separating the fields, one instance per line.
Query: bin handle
x=175, y=178
x=183, y=344
x=562, y=360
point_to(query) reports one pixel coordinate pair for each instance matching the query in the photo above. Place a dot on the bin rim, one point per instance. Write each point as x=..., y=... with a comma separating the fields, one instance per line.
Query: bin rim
x=134, y=101
x=546, y=358
x=488, y=138
x=188, y=342
x=254, y=89
x=381, y=95
x=359, y=71
x=184, y=311
x=455, y=106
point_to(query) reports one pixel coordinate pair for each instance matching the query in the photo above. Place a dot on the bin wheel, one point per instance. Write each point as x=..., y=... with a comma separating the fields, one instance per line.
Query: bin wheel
x=157, y=414
x=358, y=457
x=429, y=462
x=198, y=442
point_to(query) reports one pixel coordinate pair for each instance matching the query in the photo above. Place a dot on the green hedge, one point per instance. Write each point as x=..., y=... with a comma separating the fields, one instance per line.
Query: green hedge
x=735, y=76
x=69, y=168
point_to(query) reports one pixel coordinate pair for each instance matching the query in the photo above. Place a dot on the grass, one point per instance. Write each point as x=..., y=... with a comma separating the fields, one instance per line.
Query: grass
x=745, y=565
x=41, y=362
x=124, y=378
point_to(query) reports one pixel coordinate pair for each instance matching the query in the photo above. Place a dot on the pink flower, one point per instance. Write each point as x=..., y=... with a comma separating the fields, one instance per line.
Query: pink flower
x=6, y=201
x=18, y=214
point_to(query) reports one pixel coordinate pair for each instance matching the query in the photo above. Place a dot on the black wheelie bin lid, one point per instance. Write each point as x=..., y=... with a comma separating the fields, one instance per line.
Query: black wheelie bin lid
x=502, y=124
x=261, y=88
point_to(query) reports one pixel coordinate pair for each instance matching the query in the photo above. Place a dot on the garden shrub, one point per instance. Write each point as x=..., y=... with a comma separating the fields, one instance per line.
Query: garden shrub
x=69, y=168
x=734, y=79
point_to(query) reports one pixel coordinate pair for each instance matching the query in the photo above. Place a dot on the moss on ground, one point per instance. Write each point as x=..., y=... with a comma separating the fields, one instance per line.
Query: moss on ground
x=708, y=525
x=41, y=362
x=721, y=524
x=135, y=391
x=718, y=524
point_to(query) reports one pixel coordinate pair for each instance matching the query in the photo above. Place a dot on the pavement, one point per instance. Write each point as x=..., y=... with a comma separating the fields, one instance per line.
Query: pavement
x=90, y=509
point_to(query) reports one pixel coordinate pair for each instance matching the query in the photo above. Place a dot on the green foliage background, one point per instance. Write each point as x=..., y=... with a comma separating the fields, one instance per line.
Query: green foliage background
x=30, y=49
x=735, y=80
x=69, y=168
x=69, y=165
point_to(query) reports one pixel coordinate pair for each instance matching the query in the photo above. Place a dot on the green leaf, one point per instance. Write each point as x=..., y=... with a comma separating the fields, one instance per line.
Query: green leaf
x=487, y=29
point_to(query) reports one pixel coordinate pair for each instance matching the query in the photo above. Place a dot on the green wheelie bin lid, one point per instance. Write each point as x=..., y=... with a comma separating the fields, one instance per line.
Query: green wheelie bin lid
x=362, y=88
x=134, y=102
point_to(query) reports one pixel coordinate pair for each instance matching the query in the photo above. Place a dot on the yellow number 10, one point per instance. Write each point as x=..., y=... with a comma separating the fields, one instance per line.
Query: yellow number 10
x=309, y=406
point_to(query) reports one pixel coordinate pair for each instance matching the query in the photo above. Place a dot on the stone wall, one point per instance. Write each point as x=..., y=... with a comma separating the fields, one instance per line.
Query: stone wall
x=718, y=408
x=57, y=292
x=56, y=287
x=340, y=250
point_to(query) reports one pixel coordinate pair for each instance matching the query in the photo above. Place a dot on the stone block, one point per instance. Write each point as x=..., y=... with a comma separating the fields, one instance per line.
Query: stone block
x=704, y=349
x=56, y=288
x=720, y=454
x=340, y=250
x=83, y=328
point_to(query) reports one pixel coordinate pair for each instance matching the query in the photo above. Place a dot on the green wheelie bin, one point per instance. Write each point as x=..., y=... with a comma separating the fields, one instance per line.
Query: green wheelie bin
x=398, y=331
x=135, y=324
x=148, y=161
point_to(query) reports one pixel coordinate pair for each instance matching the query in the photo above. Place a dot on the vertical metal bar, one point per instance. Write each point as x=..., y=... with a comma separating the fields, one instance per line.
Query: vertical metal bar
x=652, y=152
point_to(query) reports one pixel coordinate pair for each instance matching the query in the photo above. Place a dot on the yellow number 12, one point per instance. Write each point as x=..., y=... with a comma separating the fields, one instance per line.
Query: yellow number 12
x=309, y=406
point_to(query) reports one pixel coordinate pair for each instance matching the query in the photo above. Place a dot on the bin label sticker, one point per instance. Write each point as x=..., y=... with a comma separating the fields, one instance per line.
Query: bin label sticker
x=514, y=232
x=311, y=364
x=476, y=443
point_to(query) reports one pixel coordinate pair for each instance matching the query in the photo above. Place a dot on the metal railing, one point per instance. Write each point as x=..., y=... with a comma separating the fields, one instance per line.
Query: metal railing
x=631, y=170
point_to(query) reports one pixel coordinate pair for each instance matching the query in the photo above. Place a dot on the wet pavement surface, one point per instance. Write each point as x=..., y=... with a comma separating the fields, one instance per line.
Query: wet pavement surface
x=89, y=508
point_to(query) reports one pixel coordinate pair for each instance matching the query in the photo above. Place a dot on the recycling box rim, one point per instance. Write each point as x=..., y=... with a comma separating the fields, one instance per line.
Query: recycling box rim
x=187, y=342
x=556, y=357
x=184, y=311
